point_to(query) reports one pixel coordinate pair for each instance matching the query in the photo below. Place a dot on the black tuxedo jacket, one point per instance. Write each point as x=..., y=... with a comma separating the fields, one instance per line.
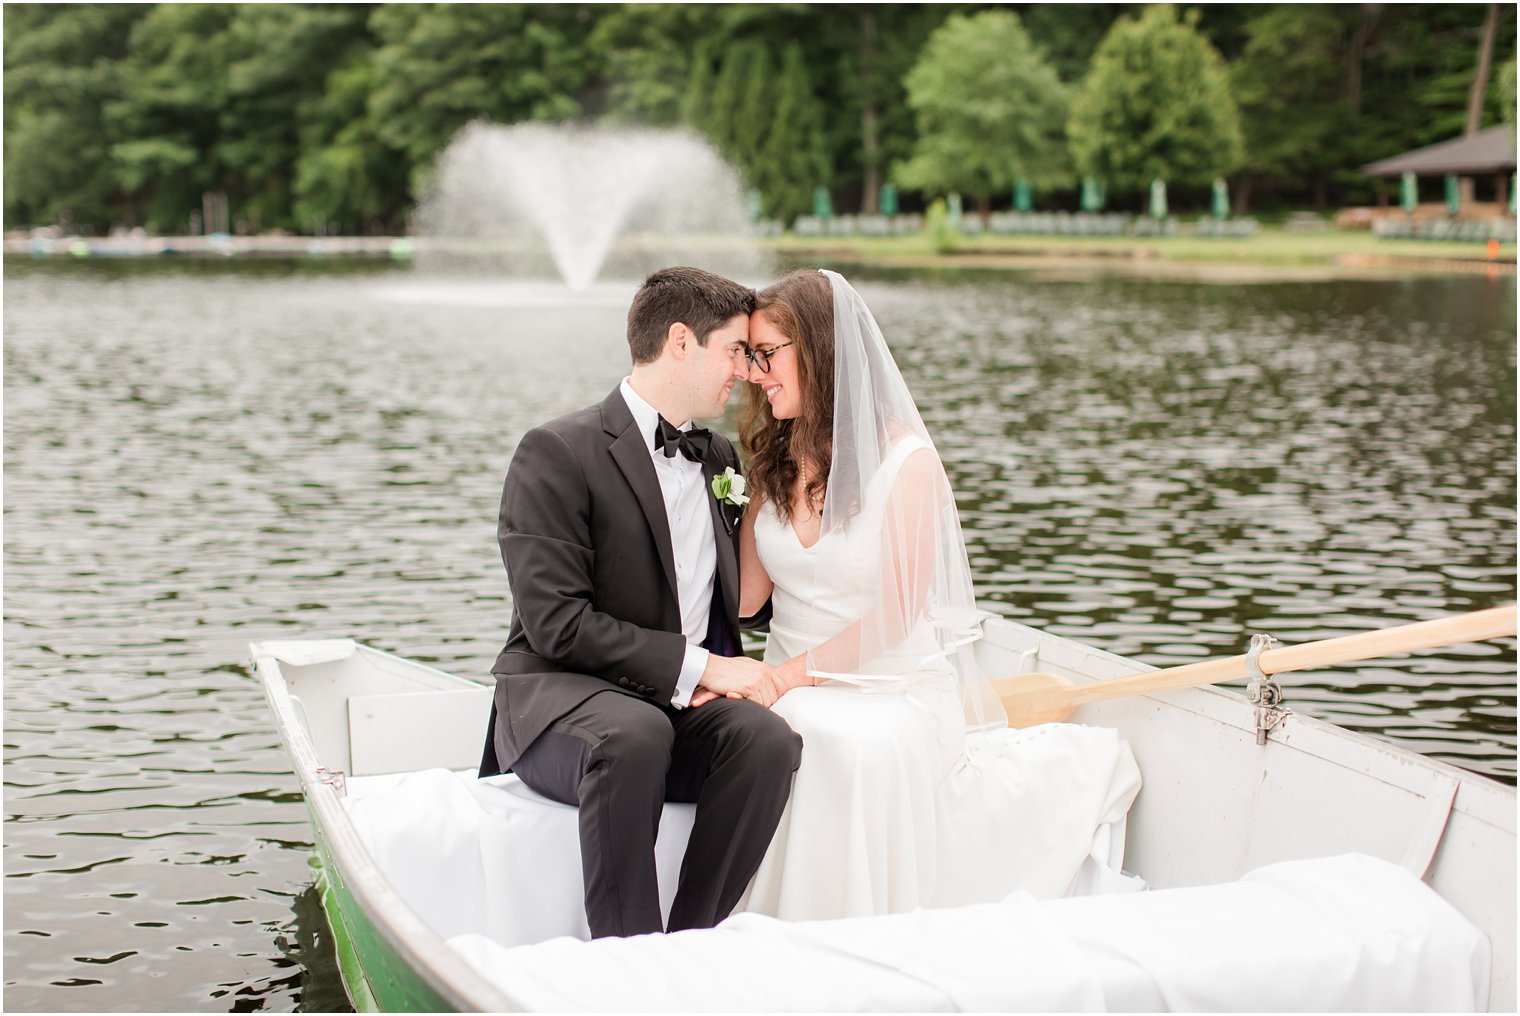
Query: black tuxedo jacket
x=586, y=543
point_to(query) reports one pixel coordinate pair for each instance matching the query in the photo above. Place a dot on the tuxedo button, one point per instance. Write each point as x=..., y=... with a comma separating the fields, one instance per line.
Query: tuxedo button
x=623, y=681
x=646, y=691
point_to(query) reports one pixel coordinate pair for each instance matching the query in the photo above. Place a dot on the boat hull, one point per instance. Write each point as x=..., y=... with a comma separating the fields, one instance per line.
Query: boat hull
x=1215, y=803
x=390, y=960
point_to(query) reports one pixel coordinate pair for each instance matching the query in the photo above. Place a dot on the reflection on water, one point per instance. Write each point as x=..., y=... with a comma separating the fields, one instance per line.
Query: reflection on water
x=201, y=454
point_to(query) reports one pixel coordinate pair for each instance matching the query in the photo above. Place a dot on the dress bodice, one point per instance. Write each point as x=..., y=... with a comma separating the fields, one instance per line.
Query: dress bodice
x=821, y=589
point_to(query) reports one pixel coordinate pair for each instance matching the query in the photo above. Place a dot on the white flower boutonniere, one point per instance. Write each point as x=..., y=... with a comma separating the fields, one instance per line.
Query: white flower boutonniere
x=728, y=487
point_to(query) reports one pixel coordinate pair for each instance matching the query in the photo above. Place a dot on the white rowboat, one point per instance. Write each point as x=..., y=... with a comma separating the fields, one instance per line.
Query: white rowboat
x=1215, y=804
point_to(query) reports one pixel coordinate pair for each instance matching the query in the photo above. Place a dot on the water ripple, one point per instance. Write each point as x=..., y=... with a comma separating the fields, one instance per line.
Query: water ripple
x=199, y=455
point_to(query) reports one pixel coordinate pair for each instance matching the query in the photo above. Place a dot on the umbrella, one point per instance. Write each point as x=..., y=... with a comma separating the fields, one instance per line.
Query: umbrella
x=1221, y=200
x=1158, y=198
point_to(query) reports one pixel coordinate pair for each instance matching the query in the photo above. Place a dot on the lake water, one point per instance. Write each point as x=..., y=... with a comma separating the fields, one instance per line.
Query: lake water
x=200, y=454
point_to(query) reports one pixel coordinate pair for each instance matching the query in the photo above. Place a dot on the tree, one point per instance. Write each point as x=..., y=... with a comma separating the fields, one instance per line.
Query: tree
x=1504, y=92
x=1155, y=103
x=62, y=67
x=989, y=110
x=795, y=151
x=738, y=113
x=699, y=89
x=282, y=61
x=1288, y=85
x=752, y=117
x=646, y=54
x=344, y=172
x=168, y=118
x=440, y=66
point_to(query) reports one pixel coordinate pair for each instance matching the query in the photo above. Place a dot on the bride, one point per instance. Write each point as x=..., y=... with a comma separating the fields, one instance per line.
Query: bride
x=911, y=791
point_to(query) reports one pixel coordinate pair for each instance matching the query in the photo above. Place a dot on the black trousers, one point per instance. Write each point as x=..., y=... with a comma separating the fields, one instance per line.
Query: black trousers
x=620, y=758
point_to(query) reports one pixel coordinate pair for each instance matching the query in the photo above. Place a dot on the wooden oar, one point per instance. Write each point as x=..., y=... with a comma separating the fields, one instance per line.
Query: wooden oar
x=1047, y=698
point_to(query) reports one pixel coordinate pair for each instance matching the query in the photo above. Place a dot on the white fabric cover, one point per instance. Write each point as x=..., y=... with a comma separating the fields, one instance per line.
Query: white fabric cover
x=1347, y=933
x=490, y=856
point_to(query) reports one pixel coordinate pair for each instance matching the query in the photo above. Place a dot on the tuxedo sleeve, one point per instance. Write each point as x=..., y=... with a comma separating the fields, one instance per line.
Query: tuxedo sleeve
x=545, y=535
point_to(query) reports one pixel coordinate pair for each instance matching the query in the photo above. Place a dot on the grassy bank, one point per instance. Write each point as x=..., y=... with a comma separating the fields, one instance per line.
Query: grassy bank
x=1332, y=252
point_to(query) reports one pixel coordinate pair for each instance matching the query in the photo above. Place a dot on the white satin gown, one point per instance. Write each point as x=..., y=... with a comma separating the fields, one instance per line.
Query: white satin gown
x=895, y=806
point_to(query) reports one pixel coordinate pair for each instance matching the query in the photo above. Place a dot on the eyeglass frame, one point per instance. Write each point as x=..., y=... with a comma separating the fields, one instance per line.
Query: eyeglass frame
x=762, y=358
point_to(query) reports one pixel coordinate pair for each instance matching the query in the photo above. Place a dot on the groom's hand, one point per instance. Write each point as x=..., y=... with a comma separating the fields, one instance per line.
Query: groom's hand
x=735, y=677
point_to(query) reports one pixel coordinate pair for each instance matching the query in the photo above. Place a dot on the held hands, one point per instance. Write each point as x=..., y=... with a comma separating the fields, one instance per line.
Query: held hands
x=741, y=677
x=735, y=677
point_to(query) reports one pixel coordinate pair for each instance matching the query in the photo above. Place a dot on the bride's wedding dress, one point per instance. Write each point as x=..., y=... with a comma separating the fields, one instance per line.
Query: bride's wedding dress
x=895, y=805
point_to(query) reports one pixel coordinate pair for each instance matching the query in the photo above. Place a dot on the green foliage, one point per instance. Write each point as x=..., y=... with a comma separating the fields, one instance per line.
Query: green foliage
x=645, y=53
x=794, y=155
x=1287, y=83
x=738, y=115
x=174, y=91
x=61, y=69
x=440, y=66
x=308, y=114
x=942, y=231
x=344, y=173
x=1503, y=94
x=752, y=118
x=1155, y=103
x=989, y=110
x=697, y=99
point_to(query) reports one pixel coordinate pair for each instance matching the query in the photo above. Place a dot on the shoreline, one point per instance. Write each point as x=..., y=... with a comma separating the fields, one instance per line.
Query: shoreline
x=1274, y=255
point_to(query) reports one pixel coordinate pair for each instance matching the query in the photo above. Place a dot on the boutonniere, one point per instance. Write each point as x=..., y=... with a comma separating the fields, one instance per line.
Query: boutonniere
x=728, y=487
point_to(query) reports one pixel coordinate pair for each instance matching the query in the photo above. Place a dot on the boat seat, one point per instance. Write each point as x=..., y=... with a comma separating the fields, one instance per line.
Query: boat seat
x=494, y=858
x=1344, y=933
x=490, y=856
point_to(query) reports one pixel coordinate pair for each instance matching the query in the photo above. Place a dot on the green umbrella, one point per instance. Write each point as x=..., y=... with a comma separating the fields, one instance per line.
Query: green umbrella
x=823, y=206
x=887, y=201
x=1158, y=198
x=1221, y=200
x=1023, y=196
x=1092, y=195
x=1453, y=194
x=1409, y=192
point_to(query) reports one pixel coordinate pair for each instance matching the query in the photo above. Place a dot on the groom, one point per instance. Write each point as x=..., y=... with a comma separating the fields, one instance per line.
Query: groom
x=625, y=586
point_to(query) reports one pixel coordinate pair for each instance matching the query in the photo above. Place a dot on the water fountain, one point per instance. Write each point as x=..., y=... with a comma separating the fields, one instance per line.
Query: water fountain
x=585, y=202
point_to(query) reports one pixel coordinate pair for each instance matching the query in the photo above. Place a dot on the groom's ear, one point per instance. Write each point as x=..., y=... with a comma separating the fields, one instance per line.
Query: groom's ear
x=679, y=340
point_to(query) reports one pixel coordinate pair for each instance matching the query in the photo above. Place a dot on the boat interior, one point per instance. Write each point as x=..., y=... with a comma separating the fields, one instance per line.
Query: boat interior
x=1322, y=870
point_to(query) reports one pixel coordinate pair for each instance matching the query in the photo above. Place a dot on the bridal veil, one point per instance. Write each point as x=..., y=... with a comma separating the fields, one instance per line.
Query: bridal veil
x=920, y=614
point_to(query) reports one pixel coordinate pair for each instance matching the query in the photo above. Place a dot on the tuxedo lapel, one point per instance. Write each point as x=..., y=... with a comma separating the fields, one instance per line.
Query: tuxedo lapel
x=630, y=450
x=728, y=563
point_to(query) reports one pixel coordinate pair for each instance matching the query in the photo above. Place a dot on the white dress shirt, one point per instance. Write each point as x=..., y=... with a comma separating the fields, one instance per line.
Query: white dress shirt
x=685, y=492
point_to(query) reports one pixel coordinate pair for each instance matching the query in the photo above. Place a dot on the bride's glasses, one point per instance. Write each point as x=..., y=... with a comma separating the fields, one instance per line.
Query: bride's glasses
x=762, y=357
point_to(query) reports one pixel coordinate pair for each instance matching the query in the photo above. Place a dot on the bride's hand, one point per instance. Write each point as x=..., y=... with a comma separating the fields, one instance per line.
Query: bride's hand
x=781, y=679
x=765, y=692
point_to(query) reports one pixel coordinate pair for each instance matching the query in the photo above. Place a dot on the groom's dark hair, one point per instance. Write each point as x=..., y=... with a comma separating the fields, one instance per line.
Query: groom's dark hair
x=699, y=300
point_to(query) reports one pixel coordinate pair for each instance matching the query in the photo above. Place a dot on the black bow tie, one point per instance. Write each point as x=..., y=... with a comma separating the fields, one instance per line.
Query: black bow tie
x=690, y=443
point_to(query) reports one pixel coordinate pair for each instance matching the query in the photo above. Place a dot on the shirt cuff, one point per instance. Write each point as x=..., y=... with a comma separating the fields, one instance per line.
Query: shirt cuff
x=691, y=672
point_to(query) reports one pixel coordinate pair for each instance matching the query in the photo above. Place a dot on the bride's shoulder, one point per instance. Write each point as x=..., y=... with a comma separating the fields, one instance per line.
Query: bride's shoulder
x=910, y=462
x=907, y=446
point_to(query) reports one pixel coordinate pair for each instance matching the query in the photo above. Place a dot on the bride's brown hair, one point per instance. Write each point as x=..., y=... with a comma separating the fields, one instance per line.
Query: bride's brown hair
x=801, y=306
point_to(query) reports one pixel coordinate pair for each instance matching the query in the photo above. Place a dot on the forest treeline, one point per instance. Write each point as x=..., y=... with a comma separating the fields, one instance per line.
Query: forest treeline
x=329, y=117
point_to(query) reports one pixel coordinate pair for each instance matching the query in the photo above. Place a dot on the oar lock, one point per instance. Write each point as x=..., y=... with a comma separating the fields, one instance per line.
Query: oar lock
x=1264, y=694
x=335, y=778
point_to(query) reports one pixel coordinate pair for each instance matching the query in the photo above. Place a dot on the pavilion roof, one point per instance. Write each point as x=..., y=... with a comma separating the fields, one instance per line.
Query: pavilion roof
x=1488, y=151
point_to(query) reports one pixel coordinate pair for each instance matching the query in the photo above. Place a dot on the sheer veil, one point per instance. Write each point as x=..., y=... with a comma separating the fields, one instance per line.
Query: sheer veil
x=920, y=616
